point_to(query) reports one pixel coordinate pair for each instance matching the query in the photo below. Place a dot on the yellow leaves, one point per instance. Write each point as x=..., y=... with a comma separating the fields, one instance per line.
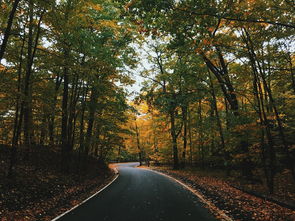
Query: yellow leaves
x=220, y=105
x=95, y=7
x=4, y=6
x=2, y=67
x=109, y=24
x=41, y=47
x=198, y=50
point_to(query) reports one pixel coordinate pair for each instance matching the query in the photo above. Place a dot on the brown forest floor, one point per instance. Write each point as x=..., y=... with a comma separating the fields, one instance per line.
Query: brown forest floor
x=39, y=191
x=239, y=203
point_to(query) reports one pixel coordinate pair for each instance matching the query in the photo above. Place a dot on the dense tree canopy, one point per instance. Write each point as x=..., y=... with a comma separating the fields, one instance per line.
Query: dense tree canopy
x=62, y=75
x=223, y=76
x=219, y=90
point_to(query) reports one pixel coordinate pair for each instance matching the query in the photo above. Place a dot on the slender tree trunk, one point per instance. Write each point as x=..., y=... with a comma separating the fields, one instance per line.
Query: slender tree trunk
x=98, y=144
x=224, y=81
x=65, y=115
x=200, y=132
x=155, y=140
x=84, y=98
x=190, y=137
x=174, y=139
x=92, y=111
x=43, y=131
x=51, y=121
x=28, y=121
x=227, y=121
x=138, y=144
x=82, y=126
x=292, y=72
x=222, y=75
x=18, y=114
x=72, y=112
x=8, y=29
x=65, y=149
x=73, y=138
x=269, y=153
x=119, y=155
x=218, y=122
x=184, y=119
x=32, y=47
x=290, y=160
x=252, y=54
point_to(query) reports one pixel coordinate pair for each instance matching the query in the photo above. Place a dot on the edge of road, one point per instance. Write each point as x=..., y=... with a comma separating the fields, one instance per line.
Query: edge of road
x=220, y=214
x=84, y=201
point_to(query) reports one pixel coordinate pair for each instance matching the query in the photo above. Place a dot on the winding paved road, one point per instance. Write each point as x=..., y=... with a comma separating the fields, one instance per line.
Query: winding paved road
x=141, y=195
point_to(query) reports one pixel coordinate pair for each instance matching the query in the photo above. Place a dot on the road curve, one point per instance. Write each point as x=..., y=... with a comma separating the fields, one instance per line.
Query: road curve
x=141, y=195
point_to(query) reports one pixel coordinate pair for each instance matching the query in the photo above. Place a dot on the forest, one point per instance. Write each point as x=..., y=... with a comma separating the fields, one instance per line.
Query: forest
x=217, y=91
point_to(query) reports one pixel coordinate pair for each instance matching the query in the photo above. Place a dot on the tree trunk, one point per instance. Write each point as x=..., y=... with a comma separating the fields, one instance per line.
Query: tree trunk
x=43, y=131
x=28, y=121
x=190, y=137
x=8, y=29
x=290, y=161
x=51, y=121
x=82, y=119
x=224, y=81
x=138, y=144
x=200, y=132
x=218, y=122
x=18, y=115
x=174, y=139
x=119, y=155
x=184, y=119
x=84, y=98
x=32, y=47
x=92, y=111
x=292, y=72
x=65, y=116
x=72, y=112
x=155, y=140
x=269, y=152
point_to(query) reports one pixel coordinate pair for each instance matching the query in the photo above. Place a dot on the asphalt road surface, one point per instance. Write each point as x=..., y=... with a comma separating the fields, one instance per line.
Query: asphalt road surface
x=141, y=195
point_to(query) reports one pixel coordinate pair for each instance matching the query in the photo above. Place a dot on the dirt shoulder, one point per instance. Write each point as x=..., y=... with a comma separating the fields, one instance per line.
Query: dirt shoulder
x=235, y=203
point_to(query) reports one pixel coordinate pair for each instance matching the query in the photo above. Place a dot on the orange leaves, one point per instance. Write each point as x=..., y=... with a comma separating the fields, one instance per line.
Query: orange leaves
x=95, y=7
x=4, y=6
x=2, y=67
x=109, y=23
x=211, y=29
x=198, y=50
x=207, y=42
x=246, y=127
x=204, y=42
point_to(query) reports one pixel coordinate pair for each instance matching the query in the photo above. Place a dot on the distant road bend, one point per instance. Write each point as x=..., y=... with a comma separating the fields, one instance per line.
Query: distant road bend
x=141, y=195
